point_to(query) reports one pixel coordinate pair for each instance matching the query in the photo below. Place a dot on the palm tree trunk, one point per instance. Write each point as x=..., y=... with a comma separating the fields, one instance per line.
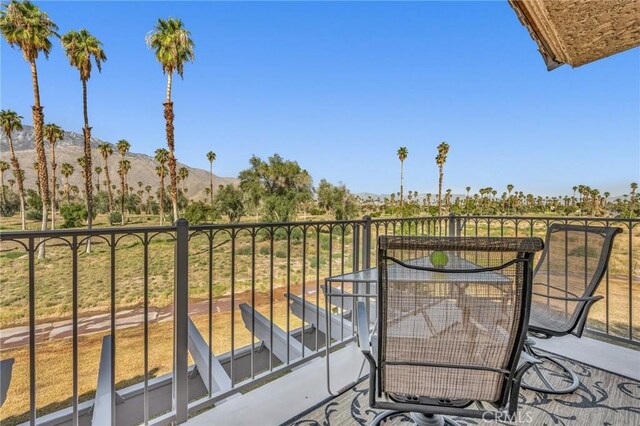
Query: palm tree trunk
x=122, y=191
x=173, y=176
x=18, y=175
x=53, y=186
x=161, y=200
x=88, y=169
x=440, y=178
x=211, y=182
x=401, y=182
x=106, y=172
x=38, y=122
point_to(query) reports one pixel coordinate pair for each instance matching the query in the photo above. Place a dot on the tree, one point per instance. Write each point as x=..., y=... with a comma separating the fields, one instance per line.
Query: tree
x=211, y=156
x=98, y=171
x=11, y=121
x=53, y=133
x=66, y=170
x=337, y=199
x=148, y=191
x=23, y=24
x=4, y=166
x=441, y=158
x=106, y=150
x=173, y=47
x=162, y=156
x=634, y=188
x=123, y=168
x=183, y=174
x=80, y=47
x=123, y=147
x=229, y=202
x=282, y=184
x=402, y=155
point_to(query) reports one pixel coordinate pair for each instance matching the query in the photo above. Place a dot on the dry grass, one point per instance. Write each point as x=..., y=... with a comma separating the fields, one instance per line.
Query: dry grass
x=54, y=379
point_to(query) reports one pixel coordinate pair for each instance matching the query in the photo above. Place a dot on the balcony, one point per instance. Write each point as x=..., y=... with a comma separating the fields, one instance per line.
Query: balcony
x=226, y=324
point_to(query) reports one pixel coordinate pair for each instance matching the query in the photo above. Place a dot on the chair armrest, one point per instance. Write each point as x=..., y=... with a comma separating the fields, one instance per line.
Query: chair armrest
x=570, y=299
x=363, y=328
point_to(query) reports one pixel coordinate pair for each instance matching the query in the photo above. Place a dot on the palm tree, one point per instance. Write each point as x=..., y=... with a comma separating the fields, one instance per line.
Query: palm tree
x=80, y=47
x=634, y=188
x=123, y=168
x=211, y=156
x=441, y=158
x=4, y=166
x=148, y=191
x=66, y=170
x=402, y=155
x=11, y=183
x=466, y=202
x=183, y=174
x=98, y=171
x=162, y=156
x=173, y=46
x=53, y=133
x=123, y=147
x=23, y=24
x=106, y=150
x=10, y=121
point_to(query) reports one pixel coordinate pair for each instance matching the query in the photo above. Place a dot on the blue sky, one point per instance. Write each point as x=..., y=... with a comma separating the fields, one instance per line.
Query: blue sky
x=340, y=86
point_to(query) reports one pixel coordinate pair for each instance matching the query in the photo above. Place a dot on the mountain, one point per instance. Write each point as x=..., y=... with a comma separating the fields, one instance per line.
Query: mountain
x=69, y=149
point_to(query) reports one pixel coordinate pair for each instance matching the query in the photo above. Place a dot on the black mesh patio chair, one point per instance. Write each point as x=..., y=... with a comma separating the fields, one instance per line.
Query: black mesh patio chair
x=573, y=263
x=448, y=335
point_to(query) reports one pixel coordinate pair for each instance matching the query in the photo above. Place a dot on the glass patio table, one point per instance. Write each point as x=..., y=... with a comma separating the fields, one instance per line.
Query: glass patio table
x=364, y=285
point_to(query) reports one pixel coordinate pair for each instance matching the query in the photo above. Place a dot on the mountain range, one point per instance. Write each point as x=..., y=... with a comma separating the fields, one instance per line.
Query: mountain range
x=69, y=149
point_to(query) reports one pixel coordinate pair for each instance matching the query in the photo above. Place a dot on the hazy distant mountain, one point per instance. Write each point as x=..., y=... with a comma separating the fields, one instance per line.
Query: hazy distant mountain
x=69, y=149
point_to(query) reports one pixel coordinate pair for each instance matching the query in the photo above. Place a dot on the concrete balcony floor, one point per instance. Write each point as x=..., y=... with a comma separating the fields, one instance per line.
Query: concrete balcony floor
x=293, y=397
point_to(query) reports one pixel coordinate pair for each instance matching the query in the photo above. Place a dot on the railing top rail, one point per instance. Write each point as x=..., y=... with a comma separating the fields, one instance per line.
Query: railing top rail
x=14, y=235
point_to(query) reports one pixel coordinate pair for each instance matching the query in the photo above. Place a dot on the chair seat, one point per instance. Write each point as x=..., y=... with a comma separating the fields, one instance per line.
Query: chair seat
x=554, y=321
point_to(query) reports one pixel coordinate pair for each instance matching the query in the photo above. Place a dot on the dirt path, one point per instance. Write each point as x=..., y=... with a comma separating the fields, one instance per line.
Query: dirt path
x=95, y=323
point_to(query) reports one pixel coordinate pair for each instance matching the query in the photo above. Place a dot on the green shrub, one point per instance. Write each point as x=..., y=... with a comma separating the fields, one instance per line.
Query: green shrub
x=198, y=212
x=115, y=218
x=281, y=254
x=591, y=252
x=264, y=251
x=74, y=215
x=34, y=214
x=243, y=251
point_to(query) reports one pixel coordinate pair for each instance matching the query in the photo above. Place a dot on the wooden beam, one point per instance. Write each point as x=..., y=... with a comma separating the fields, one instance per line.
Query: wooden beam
x=340, y=327
x=262, y=331
x=203, y=357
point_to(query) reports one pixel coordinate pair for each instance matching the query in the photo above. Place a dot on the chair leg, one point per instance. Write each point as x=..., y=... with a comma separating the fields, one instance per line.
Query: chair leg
x=419, y=419
x=547, y=387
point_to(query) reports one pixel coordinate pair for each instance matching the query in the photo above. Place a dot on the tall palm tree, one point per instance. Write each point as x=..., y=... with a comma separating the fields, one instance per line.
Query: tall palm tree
x=11, y=121
x=4, y=166
x=123, y=147
x=162, y=157
x=98, y=171
x=441, y=158
x=402, y=155
x=634, y=188
x=53, y=133
x=183, y=174
x=466, y=201
x=106, y=150
x=66, y=170
x=80, y=47
x=173, y=46
x=211, y=156
x=123, y=168
x=23, y=24
x=148, y=191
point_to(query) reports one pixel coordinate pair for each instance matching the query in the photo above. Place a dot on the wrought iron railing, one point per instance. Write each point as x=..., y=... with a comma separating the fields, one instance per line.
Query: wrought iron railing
x=250, y=294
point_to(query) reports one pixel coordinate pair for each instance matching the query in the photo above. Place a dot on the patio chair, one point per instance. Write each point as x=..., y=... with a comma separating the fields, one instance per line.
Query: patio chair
x=573, y=263
x=450, y=335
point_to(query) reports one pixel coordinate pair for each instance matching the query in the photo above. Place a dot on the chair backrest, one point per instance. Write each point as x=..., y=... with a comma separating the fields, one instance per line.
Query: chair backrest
x=572, y=265
x=453, y=313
